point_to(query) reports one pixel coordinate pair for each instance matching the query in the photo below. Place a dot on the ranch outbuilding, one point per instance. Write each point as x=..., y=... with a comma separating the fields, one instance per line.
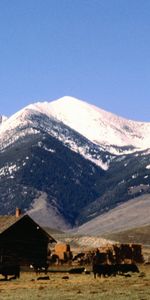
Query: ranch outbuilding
x=22, y=240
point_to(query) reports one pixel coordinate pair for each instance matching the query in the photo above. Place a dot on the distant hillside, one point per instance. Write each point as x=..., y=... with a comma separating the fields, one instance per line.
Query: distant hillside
x=132, y=214
x=52, y=231
x=135, y=235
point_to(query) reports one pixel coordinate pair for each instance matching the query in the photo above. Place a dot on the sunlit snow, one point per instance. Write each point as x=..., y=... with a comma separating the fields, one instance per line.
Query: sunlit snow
x=104, y=129
x=98, y=125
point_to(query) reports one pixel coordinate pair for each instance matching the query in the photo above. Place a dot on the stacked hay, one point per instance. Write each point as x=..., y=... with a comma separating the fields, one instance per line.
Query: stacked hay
x=137, y=253
x=123, y=253
x=128, y=253
x=63, y=252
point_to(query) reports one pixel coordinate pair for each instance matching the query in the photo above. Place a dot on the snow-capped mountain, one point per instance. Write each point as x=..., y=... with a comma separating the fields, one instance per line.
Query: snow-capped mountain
x=32, y=119
x=99, y=126
x=67, y=161
x=102, y=128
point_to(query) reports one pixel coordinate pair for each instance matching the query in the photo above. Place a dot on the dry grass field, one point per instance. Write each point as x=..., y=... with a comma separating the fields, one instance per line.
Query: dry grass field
x=135, y=235
x=77, y=286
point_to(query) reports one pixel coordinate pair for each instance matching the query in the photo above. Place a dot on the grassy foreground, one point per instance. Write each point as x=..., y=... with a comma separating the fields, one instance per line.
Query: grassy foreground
x=77, y=287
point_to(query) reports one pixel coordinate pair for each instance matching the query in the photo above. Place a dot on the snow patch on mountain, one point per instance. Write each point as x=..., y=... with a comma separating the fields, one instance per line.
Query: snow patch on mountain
x=8, y=170
x=40, y=144
x=11, y=135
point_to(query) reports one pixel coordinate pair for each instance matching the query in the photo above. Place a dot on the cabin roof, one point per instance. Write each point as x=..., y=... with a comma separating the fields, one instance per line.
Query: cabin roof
x=9, y=220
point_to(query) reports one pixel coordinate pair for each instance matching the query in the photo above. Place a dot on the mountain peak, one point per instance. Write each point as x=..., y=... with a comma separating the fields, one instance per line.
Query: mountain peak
x=97, y=125
x=67, y=98
x=72, y=102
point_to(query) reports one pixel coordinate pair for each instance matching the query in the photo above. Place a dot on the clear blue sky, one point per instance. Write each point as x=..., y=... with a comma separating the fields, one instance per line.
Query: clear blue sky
x=95, y=50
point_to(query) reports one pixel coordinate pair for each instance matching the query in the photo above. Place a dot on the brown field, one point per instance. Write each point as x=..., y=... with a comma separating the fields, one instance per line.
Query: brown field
x=78, y=287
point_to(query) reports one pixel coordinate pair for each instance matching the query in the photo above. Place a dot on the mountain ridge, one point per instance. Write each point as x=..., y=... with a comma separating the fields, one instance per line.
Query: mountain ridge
x=104, y=128
x=67, y=109
x=51, y=167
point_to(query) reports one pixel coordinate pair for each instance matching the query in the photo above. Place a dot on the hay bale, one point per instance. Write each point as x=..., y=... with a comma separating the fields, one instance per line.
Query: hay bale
x=62, y=247
x=63, y=251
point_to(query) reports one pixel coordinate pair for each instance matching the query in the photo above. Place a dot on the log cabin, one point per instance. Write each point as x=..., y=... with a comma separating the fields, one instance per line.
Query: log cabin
x=22, y=240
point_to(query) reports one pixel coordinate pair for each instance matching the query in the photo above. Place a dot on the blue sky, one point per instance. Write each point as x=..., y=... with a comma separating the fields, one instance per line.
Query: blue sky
x=95, y=50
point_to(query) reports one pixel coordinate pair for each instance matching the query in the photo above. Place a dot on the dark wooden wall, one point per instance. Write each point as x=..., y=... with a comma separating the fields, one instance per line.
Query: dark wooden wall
x=24, y=242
